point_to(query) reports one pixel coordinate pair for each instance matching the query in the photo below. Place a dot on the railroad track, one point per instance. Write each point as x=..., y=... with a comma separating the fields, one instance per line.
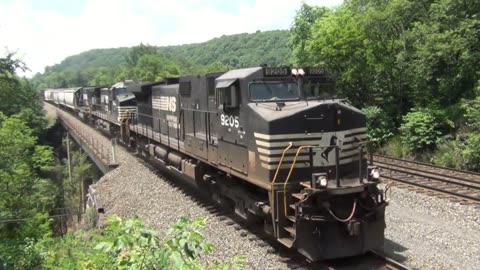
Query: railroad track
x=371, y=260
x=374, y=260
x=389, y=263
x=457, y=185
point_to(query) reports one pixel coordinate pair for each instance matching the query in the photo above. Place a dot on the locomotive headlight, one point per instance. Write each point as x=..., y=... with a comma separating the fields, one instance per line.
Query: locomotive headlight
x=322, y=180
x=375, y=173
x=301, y=71
x=294, y=71
x=319, y=180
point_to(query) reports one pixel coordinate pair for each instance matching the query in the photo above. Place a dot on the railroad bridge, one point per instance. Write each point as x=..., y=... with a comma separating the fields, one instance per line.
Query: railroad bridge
x=102, y=154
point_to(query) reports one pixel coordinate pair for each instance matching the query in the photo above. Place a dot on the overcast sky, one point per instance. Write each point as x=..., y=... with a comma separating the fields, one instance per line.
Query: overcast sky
x=43, y=33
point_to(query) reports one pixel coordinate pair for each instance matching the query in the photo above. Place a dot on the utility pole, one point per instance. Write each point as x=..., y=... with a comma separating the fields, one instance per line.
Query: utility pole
x=114, y=151
x=68, y=158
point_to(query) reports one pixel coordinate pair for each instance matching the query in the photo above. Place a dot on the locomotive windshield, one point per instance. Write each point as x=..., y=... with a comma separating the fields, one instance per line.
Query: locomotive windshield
x=120, y=91
x=273, y=91
x=319, y=90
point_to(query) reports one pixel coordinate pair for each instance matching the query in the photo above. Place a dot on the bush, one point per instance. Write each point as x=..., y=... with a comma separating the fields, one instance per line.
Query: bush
x=448, y=154
x=420, y=130
x=471, y=153
x=471, y=114
x=128, y=244
x=379, y=126
x=459, y=154
x=18, y=246
x=396, y=148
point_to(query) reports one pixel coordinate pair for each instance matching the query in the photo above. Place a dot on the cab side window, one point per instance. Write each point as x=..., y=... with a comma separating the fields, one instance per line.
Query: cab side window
x=228, y=97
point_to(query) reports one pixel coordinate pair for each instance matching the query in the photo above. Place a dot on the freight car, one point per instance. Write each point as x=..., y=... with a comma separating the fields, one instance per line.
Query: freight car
x=273, y=144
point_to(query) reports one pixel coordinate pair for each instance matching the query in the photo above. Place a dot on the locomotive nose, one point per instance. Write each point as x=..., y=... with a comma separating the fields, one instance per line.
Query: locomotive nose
x=333, y=117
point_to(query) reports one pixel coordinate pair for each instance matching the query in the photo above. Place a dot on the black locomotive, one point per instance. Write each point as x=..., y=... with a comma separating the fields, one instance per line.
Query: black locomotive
x=274, y=144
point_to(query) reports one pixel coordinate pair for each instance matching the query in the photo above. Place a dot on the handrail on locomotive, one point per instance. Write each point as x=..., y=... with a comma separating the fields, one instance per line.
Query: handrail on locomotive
x=315, y=182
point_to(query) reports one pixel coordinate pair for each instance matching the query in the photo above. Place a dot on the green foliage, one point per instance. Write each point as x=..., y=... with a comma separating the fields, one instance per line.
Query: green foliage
x=26, y=195
x=81, y=170
x=240, y=50
x=301, y=30
x=459, y=154
x=146, y=62
x=154, y=67
x=420, y=130
x=471, y=153
x=21, y=188
x=396, y=148
x=448, y=154
x=379, y=126
x=89, y=219
x=445, y=52
x=137, y=52
x=472, y=113
x=75, y=250
x=16, y=95
x=18, y=249
x=128, y=244
x=8, y=66
x=34, y=119
x=398, y=55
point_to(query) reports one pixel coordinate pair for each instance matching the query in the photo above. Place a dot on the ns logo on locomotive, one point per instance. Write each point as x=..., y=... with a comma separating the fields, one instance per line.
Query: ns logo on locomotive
x=275, y=145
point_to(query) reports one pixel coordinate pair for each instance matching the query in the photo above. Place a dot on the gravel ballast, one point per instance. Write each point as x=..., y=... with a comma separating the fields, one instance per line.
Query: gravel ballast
x=134, y=190
x=432, y=233
x=423, y=232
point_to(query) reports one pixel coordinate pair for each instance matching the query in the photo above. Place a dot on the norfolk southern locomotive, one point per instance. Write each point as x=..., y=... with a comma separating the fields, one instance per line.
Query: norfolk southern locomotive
x=274, y=144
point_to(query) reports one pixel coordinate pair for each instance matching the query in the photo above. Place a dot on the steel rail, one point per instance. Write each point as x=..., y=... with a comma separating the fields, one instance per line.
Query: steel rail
x=428, y=165
x=432, y=172
x=451, y=186
x=406, y=170
x=389, y=262
x=472, y=198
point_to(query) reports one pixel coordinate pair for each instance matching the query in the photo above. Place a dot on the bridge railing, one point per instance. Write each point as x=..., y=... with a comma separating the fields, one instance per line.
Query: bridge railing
x=105, y=153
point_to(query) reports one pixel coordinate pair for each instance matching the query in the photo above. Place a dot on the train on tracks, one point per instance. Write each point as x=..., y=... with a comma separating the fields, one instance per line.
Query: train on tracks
x=274, y=144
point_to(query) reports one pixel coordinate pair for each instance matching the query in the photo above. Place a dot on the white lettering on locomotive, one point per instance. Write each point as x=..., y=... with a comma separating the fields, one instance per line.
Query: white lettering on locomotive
x=172, y=121
x=229, y=121
x=165, y=103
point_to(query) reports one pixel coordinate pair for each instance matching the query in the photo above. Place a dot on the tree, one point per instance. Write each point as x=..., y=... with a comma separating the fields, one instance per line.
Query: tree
x=154, y=67
x=137, y=52
x=15, y=93
x=25, y=197
x=81, y=170
x=471, y=114
x=337, y=42
x=379, y=127
x=420, y=129
x=301, y=31
x=446, y=53
x=9, y=66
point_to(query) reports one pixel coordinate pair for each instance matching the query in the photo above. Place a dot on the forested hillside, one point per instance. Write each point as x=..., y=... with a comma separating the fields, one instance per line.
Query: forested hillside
x=243, y=50
x=413, y=66
x=106, y=66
